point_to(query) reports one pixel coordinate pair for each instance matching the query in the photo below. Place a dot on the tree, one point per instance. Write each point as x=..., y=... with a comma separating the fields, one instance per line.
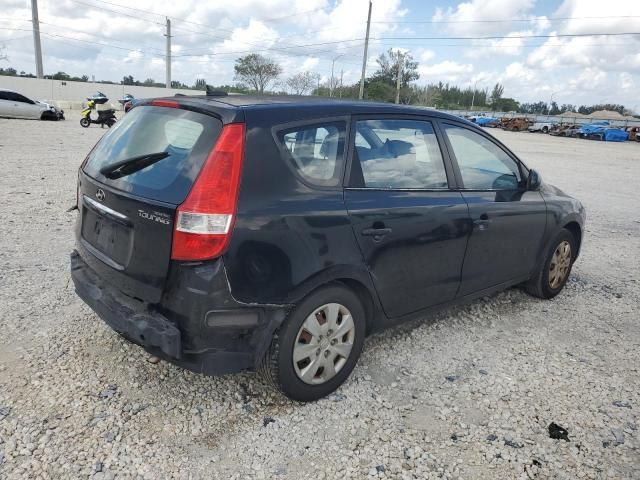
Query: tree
x=257, y=71
x=382, y=91
x=128, y=80
x=496, y=95
x=201, y=84
x=302, y=82
x=388, y=68
x=61, y=76
x=8, y=72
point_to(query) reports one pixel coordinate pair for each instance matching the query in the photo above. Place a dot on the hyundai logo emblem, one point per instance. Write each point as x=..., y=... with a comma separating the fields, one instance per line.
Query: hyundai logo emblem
x=100, y=194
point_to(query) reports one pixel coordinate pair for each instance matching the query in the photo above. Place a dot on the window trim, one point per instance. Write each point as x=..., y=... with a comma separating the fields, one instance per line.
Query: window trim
x=287, y=156
x=448, y=168
x=522, y=168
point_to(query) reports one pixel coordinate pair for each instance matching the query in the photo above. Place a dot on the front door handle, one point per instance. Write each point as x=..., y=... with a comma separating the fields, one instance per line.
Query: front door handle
x=376, y=232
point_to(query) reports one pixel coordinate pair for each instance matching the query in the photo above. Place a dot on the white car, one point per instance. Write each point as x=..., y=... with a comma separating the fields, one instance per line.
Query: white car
x=16, y=105
x=543, y=127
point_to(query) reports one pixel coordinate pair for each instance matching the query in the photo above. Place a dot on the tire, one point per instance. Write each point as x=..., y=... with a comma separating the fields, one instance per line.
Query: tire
x=84, y=122
x=543, y=284
x=545, y=130
x=279, y=368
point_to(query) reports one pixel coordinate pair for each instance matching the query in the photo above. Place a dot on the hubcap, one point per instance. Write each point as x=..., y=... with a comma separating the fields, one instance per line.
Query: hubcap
x=323, y=343
x=560, y=264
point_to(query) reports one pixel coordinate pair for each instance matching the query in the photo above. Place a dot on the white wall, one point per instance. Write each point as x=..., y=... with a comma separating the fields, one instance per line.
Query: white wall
x=73, y=94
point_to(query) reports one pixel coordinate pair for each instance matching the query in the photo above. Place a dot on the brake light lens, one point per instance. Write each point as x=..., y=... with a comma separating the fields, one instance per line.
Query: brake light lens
x=205, y=219
x=165, y=103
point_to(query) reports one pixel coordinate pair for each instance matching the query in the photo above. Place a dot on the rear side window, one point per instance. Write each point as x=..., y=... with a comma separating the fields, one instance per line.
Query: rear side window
x=186, y=136
x=398, y=154
x=316, y=152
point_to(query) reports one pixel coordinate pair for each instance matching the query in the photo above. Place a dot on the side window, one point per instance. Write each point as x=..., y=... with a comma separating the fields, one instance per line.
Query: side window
x=316, y=151
x=23, y=99
x=483, y=164
x=399, y=154
x=4, y=95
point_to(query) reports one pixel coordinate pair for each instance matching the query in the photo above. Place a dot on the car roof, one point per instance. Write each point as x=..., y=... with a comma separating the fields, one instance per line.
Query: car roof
x=295, y=102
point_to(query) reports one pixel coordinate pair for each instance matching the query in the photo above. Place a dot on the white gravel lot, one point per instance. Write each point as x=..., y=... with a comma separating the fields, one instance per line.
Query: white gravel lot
x=469, y=393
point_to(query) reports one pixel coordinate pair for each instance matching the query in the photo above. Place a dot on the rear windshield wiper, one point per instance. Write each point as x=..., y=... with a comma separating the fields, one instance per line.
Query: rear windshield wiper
x=131, y=165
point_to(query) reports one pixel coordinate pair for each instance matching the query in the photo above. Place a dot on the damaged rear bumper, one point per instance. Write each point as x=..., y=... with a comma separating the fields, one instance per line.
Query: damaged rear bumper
x=203, y=331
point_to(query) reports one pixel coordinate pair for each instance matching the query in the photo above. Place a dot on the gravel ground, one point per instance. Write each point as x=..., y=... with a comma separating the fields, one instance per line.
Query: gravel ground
x=468, y=393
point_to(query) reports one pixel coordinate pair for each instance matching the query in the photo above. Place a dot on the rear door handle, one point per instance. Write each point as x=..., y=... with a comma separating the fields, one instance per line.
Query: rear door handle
x=483, y=222
x=376, y=232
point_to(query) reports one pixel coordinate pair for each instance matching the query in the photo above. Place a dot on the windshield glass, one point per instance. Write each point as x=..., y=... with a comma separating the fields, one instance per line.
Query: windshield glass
x=187, y=137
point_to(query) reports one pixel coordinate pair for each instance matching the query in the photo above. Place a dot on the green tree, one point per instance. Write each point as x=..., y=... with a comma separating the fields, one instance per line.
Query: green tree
x=382, y=91
x=257, y=71
x=496, y=95
x=61, y=76
x=388, y=68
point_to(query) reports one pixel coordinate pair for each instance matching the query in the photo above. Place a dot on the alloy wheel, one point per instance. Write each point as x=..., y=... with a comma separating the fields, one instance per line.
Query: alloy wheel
x=560, y=264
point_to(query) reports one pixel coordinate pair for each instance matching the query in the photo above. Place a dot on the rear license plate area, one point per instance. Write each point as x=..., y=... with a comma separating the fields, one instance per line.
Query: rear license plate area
x=107, y=236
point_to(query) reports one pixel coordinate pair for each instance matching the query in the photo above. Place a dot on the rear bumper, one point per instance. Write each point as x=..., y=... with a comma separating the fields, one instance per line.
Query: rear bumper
x=203, y=339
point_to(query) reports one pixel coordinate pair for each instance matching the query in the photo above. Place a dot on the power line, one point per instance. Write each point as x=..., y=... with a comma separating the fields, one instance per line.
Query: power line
x=490, y=37
x=179, y=28
x=532, y=19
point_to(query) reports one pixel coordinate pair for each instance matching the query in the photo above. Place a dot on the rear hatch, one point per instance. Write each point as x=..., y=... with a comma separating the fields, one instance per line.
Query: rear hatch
x=128, y=191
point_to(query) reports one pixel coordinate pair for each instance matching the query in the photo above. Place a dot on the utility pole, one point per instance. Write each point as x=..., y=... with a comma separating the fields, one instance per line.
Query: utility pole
x=168, y=57
x=36, y=38
x=473, y=96
x=398, y=80
x=333, y=82
x=364, y=57
x=341, y=73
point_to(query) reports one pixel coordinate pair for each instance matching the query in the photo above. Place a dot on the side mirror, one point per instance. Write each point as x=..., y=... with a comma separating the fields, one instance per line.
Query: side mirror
x=534, y=180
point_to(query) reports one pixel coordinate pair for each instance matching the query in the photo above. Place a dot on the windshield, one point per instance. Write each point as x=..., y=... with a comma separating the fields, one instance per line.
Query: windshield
x=186, y=137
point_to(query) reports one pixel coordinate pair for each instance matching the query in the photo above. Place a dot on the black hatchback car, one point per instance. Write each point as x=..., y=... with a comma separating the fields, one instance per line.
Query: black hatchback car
x=243, y=233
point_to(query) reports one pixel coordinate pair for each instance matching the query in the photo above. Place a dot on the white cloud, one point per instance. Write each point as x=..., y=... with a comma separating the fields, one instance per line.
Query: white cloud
x=471, y=17
x=244, y=39
x=425, y=55
x=445, y=71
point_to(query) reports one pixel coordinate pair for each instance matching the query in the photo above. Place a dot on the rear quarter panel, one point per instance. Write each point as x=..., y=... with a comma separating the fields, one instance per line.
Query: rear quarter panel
x=289, y=238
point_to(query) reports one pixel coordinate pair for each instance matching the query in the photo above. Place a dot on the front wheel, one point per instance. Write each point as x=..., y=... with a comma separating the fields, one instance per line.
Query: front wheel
x=84, y=122
x=318, y=346
x=553, y=271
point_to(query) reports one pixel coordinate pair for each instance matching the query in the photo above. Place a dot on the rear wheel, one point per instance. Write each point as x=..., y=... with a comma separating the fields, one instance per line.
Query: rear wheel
x=553, y=272
x=318, y=345
x=84, y=122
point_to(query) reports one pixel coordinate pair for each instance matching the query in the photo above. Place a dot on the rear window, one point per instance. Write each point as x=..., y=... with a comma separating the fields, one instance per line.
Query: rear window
x=186, y=136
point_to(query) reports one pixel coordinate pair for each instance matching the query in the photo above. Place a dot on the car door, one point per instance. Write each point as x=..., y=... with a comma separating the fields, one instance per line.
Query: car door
x=27, y=108
x=6, y=105
x=508, y=221
x=410, y=225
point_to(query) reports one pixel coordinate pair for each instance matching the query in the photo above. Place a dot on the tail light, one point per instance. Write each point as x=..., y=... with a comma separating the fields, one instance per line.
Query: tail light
x=205, y=219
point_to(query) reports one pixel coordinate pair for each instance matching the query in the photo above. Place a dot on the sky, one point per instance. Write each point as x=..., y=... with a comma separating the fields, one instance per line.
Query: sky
x=538, y=50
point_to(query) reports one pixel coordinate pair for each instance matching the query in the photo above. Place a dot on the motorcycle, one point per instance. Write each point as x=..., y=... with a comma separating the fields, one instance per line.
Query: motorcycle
x=105, y=117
